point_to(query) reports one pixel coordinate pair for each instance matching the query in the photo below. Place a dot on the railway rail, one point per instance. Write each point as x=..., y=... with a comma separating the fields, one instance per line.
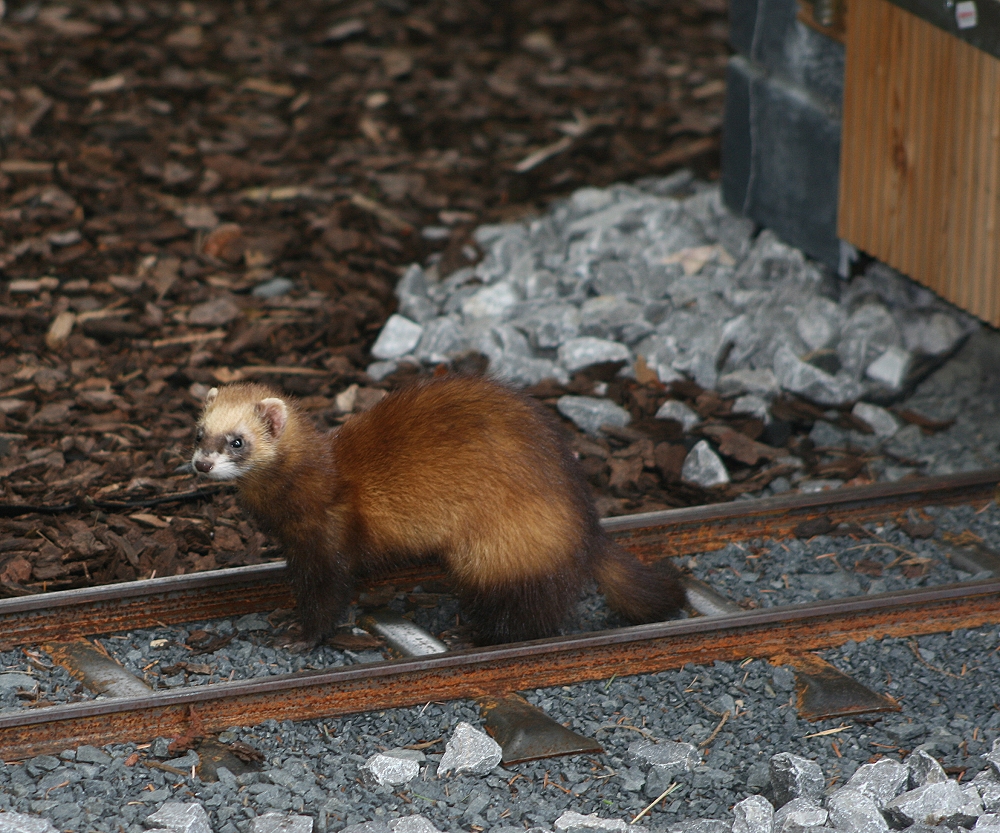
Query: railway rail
x=64, y=622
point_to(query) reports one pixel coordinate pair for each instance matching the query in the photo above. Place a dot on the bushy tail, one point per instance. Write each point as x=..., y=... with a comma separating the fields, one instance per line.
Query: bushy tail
x=639, y=592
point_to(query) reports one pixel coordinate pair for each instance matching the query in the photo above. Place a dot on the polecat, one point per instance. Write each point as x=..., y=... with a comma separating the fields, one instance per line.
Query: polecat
x=458, y=468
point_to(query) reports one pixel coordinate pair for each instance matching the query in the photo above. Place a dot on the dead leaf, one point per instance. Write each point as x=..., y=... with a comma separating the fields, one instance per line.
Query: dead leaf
x=739, y=446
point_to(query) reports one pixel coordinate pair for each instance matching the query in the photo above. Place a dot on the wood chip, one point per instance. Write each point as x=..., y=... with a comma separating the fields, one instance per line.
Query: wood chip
x=262, y=85
x=541, y=155
x=150, y=520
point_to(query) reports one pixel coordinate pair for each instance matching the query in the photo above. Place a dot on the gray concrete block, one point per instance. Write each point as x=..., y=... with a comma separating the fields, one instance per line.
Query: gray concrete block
x=780, y=157
x=742, y=24
x=737, y=146
x=769, y=33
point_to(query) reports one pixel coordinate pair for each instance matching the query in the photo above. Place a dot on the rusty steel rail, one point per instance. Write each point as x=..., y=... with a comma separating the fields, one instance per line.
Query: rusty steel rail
x=68, y=614
x=485, y=672
x=704, y=528
x=476, y=673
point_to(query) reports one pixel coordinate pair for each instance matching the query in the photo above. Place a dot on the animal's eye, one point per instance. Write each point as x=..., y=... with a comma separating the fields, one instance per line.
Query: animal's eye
x=199, y=435
x=236, y=442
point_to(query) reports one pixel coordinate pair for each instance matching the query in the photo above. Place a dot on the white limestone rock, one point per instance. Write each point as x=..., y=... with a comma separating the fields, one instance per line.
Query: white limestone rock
x=24, y=823
x=869, y=331
x=993, y=757
x=609, y=316
x=578, y=353
x=799, y=813
x=819, y=323
x=704, y=467
x=924, y=769
x=936, y=334
x=678, y=411
x=469, y=750
x=881, y=781
x=754, y=814
x=882, y=422
x=988, y=785
x=181, y=817
x=668, y=756
x=855, y=812
x=800, y=377
x=761, y=382
x=441, y=339
x=524, y=371
x=390, y=767
x=753, y=405
x=412, y=292
x=398, y=337
x=281, y=823
x=550, y=325
x=412, y=824
x=795, y=777
x=589, y=413
x=930, y=804
x=571, y=821
x=492, y=302
x=890, y=368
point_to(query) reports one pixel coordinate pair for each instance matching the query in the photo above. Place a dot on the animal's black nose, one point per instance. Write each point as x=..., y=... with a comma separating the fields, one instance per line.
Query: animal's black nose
x=204, y=466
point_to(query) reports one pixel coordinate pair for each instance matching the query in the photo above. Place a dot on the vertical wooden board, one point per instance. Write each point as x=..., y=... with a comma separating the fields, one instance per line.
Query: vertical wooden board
x=938, y=215
x=942, y=221
x=958, y=244
x=911, y=120
x=908, y=114
x=857, y=147
x=991, y=229
x=921, y=154
x=973, y=247
x=988, y=99
x=978, y=148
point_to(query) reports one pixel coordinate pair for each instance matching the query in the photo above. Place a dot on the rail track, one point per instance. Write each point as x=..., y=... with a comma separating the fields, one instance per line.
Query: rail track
x=64, y=622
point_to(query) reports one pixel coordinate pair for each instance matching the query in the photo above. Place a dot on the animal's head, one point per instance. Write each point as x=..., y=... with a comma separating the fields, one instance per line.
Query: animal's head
x=238, y=431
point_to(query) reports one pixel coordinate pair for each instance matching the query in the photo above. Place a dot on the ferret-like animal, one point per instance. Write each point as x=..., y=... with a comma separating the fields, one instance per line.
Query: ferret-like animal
x=458, y=468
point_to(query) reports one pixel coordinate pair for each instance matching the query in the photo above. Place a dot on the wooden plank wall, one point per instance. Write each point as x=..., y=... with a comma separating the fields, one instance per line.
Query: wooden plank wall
x=920, y=154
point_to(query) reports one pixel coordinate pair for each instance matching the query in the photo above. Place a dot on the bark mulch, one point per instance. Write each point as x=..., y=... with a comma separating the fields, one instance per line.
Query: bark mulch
x=167, y=169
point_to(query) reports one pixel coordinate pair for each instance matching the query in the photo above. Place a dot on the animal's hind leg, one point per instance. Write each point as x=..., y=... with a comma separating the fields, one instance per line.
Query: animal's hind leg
x=515, y=611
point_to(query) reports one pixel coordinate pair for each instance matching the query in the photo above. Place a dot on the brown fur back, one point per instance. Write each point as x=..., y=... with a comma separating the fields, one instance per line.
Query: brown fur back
x=467, y=468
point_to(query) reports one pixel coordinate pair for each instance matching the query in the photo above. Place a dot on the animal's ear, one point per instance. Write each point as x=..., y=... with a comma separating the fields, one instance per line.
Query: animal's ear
x=274, y=412
x=210, y=396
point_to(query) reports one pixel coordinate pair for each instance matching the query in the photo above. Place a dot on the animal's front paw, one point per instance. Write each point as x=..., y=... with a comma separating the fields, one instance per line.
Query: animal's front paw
x=300, y=646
